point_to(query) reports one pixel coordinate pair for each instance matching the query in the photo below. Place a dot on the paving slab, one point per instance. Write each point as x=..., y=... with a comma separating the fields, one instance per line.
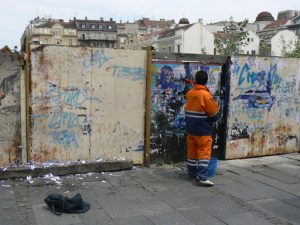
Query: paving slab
x=284, y=177
x=280, y=209
x=134, y=220
x=95, y=217
x=199, y=217
x=45, y=217
x=245, y=218
x=174, y=218
x=127, y=208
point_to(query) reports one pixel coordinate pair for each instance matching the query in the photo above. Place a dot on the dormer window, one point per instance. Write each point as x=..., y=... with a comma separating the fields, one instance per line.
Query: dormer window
x=93, y=26
x=83, y=26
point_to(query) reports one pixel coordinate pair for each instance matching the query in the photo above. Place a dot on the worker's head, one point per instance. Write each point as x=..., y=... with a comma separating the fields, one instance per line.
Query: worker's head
x=201, y=77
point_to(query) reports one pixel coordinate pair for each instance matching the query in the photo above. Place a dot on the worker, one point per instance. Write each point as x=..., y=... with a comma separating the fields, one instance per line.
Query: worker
x=200, y=111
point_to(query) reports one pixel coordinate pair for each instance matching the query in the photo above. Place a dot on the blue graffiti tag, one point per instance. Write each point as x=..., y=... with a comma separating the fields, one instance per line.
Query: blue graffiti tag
x=64, y=119
x=65, y=138
x=70, y=96
x=251, y=77
x=97, y=58
x=137, y=73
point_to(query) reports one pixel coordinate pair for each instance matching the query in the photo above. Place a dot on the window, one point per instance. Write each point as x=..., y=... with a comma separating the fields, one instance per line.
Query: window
x=248, y=39
x=58, y=42
x=122, y=40
x=252, y=39
x=163, y=49
x=247, y=52
x=83, y=26
x=70, y=42
x=110, y=45
x=109, y=27
x=93, y=26
x=169, y=48
x=178, y=48
x=45, y=30
x=71, y=33
x=100, y=26
x=83, y=36
x=57, y=32
x=253, y=52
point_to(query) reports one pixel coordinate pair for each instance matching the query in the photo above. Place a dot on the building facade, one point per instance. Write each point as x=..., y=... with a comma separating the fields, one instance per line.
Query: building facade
x=96, y=33
x=50, y=32
x=186, y=38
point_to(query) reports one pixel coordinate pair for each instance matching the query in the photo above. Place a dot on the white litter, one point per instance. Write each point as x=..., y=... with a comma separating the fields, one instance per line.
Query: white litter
x=55, y=179
x=29, y=179
x=5, y=185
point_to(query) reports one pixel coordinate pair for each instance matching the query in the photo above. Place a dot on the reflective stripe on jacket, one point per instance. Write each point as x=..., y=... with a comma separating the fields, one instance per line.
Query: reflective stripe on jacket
x=200, y=111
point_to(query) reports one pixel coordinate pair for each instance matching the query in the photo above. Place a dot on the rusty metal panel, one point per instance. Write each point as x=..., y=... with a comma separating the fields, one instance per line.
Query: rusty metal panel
x=87, y=103
x=10, y=119
x=169, y=86
x=263, y=117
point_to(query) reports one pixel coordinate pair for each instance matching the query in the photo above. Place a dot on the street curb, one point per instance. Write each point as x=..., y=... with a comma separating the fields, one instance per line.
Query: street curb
x=107, y=166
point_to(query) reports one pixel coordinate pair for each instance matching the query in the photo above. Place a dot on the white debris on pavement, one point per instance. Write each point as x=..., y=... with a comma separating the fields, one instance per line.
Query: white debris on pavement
x=32, y=167
x=121, y=159
x=29, y=179
x=114, y=175
x=5, y=185
x=55, y=179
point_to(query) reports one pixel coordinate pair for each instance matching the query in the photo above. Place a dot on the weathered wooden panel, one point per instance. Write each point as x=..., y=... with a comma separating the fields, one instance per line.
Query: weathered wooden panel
x=10, y=118
x=264, y=107
x=87, y=103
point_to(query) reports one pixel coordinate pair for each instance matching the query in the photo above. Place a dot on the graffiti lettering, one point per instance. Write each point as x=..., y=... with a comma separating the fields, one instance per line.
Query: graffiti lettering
x=137, y=73
x=65, y=138
x=61, y=118
x=70, y=96
x=251, y=77
x=97, y=58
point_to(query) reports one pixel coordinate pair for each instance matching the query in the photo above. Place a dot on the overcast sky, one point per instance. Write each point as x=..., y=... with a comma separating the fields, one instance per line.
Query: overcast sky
x=15, y=14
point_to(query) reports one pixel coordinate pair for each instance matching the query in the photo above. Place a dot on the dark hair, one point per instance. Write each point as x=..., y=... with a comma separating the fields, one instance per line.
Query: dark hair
x=201, y=77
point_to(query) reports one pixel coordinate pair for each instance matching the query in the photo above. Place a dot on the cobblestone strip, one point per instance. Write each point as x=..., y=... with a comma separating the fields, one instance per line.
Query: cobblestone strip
x=255, y=210
x=25, y=211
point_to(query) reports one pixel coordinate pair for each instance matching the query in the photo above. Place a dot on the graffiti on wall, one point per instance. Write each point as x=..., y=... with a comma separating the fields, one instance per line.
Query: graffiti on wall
x=170, y=83
x=64, y=121
x=82, y=103
x=10, y=118
x=263, y=108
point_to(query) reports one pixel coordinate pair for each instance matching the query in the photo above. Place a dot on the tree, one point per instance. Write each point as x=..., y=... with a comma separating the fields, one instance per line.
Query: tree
x=296, y=52
x=232, y=38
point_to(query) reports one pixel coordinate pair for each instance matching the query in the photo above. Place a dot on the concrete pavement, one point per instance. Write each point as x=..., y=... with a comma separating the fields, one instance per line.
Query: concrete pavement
x=258, y=191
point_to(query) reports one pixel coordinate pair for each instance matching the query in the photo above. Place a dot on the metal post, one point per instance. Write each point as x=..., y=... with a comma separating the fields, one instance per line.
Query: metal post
x=148, y=107
x=27, y=97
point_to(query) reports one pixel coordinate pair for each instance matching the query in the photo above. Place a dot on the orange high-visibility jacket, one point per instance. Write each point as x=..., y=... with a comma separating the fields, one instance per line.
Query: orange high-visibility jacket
x=200, y=111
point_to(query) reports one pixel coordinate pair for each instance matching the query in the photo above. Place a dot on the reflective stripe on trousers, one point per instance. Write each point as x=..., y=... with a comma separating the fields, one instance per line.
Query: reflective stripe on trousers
x=199, y=153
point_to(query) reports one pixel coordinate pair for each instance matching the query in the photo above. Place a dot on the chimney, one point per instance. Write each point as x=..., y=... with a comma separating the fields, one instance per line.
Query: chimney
x=200, y=20
x=101, y=18
x=111, y=19
x=86, y=18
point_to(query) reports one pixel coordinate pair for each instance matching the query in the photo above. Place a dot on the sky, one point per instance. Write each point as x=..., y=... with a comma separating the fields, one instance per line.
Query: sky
x=16, y=14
